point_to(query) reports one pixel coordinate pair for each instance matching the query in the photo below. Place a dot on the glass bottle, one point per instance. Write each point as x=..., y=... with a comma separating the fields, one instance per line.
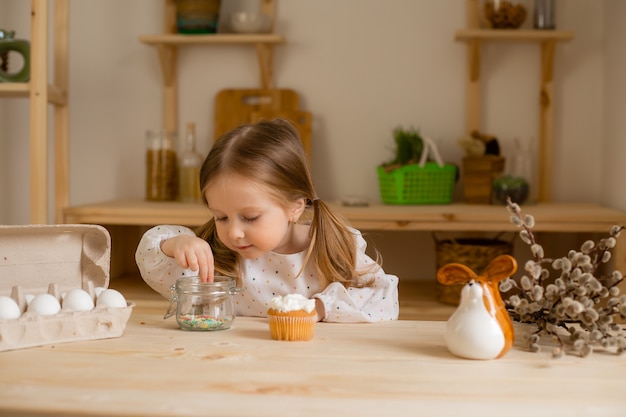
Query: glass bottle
x=189, y=164
x=161, y=166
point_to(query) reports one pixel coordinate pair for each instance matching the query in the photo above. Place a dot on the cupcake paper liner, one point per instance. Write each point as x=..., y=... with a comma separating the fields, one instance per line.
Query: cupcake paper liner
x=291, y=328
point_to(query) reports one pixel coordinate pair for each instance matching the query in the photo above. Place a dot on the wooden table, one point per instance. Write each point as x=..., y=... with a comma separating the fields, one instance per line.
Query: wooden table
x=386, y=369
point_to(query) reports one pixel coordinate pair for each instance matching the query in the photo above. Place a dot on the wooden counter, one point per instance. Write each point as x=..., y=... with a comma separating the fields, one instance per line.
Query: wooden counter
x=385, y=369
x=128, y=219
x=550, y=217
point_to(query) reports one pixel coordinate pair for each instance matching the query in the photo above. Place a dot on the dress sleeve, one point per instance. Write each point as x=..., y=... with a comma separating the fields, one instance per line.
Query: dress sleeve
x=157, y=269
x=376, y=302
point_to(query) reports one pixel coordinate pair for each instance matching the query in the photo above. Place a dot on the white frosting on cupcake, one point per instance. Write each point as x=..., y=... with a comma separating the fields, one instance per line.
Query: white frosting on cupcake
x=292, y=302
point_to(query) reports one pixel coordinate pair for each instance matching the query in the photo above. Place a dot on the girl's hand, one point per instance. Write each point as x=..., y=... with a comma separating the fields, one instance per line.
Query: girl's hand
x=193, y=253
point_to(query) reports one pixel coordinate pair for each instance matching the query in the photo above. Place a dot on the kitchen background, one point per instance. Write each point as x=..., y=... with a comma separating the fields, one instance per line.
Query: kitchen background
x=362, y=67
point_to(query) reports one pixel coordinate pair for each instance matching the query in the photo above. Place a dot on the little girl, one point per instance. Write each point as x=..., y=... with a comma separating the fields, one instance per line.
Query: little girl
x=271, y=232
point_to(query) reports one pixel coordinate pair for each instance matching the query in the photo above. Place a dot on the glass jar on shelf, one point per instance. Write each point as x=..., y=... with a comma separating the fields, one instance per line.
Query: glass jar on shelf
x=544, y=15
x=519, y=179
x=161, y=166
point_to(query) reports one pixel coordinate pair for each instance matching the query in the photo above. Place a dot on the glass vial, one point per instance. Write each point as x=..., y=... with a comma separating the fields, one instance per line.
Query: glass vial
x=544, y=14
x=161, y=166
x=189, y=164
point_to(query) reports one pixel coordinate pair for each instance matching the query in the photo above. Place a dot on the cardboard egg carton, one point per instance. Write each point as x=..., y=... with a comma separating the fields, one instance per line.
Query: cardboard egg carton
x=54, y=259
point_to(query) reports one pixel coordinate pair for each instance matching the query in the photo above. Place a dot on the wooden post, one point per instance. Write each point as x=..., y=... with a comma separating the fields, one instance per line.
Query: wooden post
x=546, y=100
x=61, y=110
x=472, y=77
x=265, y=55
x=39, y=113
x=168, y=59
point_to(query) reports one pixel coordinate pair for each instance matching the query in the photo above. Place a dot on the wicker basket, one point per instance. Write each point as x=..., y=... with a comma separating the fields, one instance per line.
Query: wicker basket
x=420, y=183
x=475, y=253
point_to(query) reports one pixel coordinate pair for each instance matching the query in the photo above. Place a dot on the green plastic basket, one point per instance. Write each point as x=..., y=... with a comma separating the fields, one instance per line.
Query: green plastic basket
x=412, y=184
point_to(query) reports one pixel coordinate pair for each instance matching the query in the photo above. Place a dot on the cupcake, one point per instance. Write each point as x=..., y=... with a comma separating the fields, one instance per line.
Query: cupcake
x=291, y=317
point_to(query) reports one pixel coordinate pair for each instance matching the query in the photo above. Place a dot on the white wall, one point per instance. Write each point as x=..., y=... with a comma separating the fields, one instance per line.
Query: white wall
x=362, y=67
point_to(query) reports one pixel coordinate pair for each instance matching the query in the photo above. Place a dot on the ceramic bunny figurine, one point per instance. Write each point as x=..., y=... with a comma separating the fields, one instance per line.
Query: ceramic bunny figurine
x=480, y=328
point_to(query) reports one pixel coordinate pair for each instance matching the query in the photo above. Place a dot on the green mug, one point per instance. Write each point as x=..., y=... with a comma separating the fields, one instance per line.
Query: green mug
x=8, y=43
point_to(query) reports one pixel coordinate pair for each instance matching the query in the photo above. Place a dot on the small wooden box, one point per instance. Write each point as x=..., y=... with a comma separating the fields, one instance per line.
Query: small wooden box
x=478, y=175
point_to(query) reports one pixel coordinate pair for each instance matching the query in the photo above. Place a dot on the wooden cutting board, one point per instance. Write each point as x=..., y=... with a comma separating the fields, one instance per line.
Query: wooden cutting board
x=235, y=106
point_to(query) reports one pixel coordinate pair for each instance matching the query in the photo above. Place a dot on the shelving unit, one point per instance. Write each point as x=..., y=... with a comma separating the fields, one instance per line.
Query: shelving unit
x=128, y=219
x=40, y=94
x=547, y=39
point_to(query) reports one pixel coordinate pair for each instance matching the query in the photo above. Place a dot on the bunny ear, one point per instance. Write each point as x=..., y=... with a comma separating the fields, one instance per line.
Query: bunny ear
x=455, y=274
x=500, y=268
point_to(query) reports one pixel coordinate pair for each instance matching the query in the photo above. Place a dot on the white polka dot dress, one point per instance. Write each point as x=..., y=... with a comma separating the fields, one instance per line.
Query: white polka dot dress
x=277, y=274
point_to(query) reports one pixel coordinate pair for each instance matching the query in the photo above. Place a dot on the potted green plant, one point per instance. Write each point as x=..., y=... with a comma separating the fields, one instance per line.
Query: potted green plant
x=408, y=150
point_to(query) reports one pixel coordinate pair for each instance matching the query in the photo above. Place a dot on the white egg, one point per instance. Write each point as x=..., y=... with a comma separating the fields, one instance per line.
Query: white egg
x=29, y=298
x=45, y=305
x=77, y=300
x=111, y=298
x=98, y=290
x=8, y=308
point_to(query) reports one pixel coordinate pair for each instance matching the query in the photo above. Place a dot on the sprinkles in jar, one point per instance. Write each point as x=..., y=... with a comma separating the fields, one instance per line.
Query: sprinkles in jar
x=203, y=306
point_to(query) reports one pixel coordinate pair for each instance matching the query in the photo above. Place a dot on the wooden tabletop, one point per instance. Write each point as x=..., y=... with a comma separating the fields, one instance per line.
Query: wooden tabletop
x=384, y=369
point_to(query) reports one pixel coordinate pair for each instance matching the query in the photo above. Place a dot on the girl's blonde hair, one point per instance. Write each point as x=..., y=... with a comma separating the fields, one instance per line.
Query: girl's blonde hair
x=270, y=153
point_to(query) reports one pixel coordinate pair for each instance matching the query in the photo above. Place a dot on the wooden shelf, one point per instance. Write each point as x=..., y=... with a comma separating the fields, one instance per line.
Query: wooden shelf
x=14, y=89
x=552, y=217
x=212, y=39
x=512, y=35
x=56, y=95
x=128, y=219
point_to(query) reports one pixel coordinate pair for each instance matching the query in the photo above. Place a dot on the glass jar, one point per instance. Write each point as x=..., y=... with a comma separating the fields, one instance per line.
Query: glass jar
x=197, y=16
x=203, y=306
x=161, y=166
x=503, y=14
x=21, y=48
x=519, y=179
x=544, y=15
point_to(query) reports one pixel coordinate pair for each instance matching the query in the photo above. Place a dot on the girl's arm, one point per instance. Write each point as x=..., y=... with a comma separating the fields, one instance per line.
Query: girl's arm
x=161, y=269
x=376, y=302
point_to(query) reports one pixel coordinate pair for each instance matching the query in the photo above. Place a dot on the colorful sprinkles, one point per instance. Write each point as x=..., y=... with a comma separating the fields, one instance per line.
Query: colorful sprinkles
x=201, y=322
